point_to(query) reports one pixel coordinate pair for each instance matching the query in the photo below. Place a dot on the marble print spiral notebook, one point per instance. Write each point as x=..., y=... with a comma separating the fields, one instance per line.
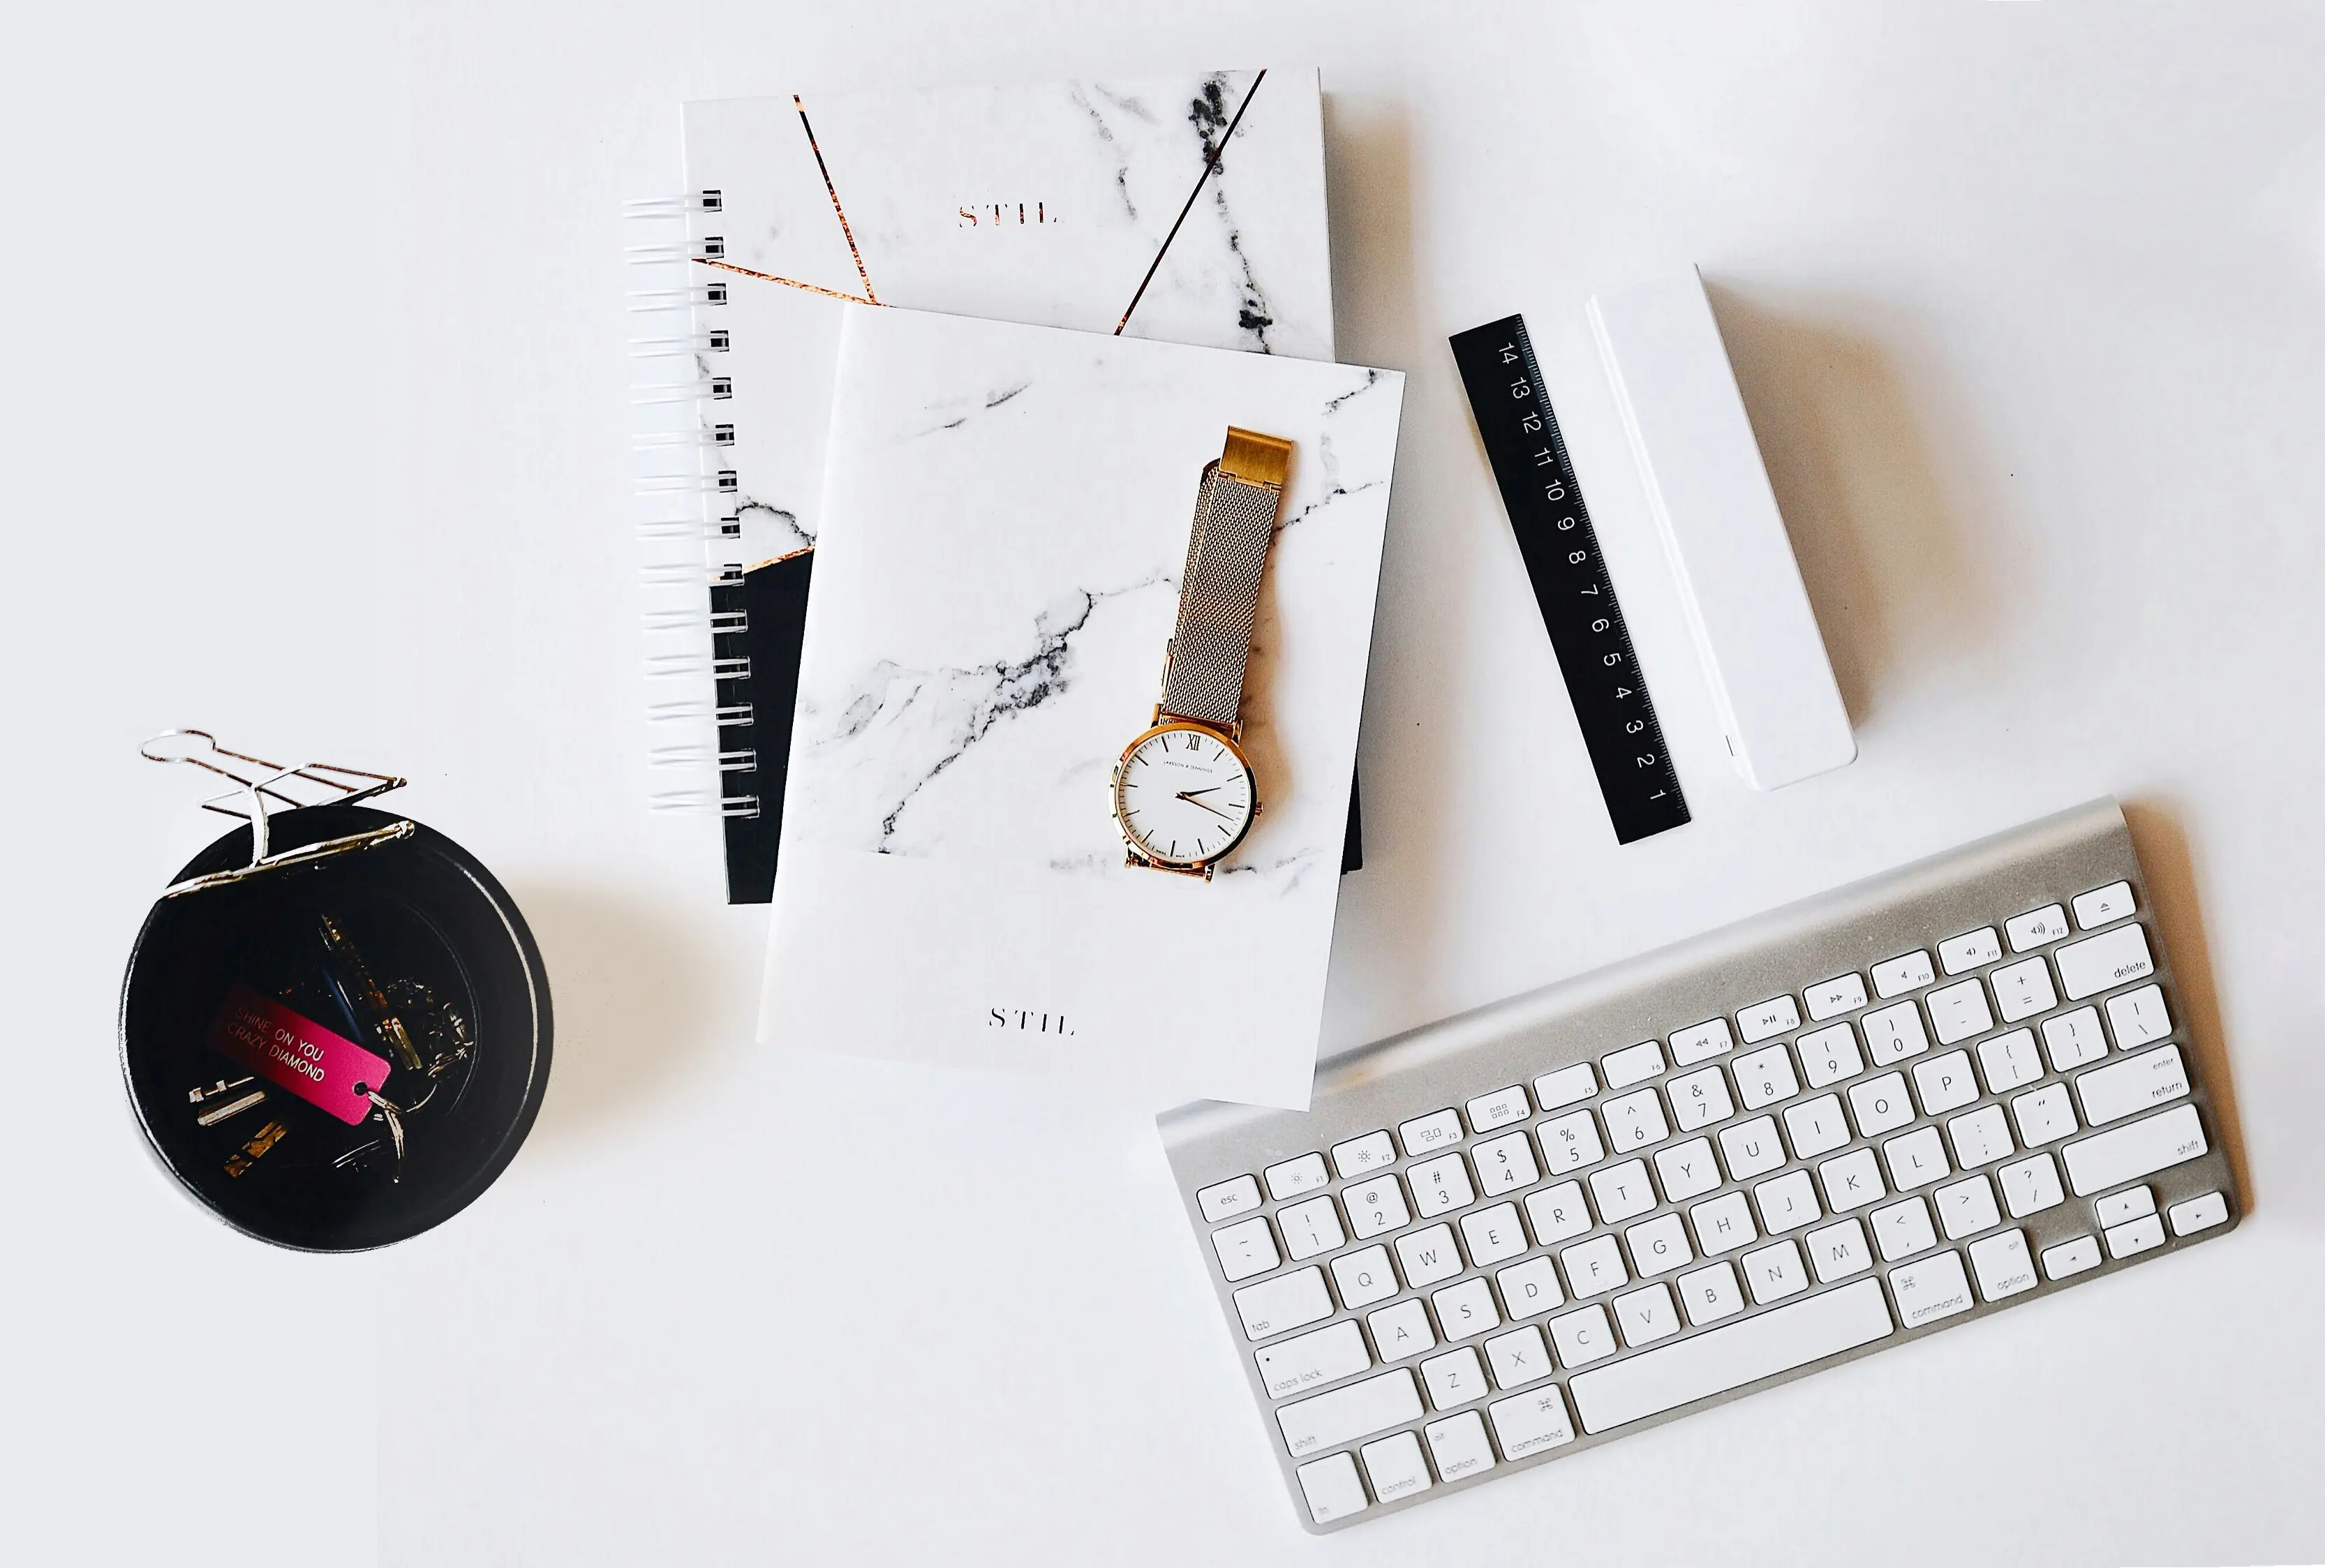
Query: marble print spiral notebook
x=1005, y=515
x=1186, y=207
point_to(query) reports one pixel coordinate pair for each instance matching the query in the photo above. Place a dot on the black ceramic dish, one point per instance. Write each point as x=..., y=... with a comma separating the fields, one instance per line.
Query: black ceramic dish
x=454, y=958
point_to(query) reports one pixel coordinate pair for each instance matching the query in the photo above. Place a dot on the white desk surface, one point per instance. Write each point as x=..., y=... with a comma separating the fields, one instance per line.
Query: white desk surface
x=317, y=429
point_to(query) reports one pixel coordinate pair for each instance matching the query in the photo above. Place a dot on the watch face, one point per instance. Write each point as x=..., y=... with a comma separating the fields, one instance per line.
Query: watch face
x=1183, y=794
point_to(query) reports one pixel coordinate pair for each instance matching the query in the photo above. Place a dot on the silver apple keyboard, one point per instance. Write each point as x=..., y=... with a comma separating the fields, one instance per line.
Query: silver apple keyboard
x=1822, y=1132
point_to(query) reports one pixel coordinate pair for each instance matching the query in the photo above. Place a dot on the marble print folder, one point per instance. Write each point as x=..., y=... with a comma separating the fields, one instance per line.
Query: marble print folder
x=1187, y=207
x=1005, y=513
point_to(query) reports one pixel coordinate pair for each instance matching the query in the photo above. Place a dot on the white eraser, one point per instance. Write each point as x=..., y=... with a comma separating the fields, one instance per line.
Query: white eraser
x=1753, y=630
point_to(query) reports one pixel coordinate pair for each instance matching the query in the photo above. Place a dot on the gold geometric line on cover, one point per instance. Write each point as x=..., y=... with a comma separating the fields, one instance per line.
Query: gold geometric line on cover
x=793, y=282
x=1209, y=163
x=869, y=297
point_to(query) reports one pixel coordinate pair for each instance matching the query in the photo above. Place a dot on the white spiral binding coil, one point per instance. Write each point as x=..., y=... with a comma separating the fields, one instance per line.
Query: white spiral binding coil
x=683, y=525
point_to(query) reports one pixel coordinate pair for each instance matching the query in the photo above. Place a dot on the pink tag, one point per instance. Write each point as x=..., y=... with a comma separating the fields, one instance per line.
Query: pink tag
x=319, y=1066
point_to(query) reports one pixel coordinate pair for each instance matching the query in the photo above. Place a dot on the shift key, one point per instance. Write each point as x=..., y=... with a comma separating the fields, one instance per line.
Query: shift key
x=1345, y=1415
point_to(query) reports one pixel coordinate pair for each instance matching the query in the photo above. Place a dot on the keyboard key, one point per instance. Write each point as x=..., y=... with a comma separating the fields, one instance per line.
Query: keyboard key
x=1838, y=1251
x=1593, y=1267
x=1498, y=1109
x=1531, y=1423
x=2114, y=1092
x=1506, y=1164
x=1493, y=1235
x=2035, y=927
x=1829, y=1055
x=1310, y=1228
x=2002, y=1265
x=1892, y=1034
x=1311, y=1360
x=2199, y=1214
x=1708, y=1295
x=2030, y=1185
x=1945, y=1082
x=2072, y=1257
x=1701, y=1042
x=1401, y=1331
x=1633, y=1063
x=1764, y=1077
x=1816, y=1126
x=1958, y=1012
x=1773, y=1273
x=1634, y=1121
x=1294, y=1176
x=1428, y=1255
x=2102, y=905
x=2045, y=1116
x=1245, y=1249
x=1394, y=1466
x=2009, y=1060
x=1902, y=1229
x=1364, y=1277
x=1752, y=1147
x=1567, y=1086
x=2073, y=1039
x=1659, y=1246
x=2134, y=1149
x=1907, y=972
x=2102, y=962
x=2022, y=990
x=1779, y=1015
x=1622, y=1191
x=1930, y=1290
x=1832, y=998
x=1348, y=1413
x=1529, y=1287
x=1465, y=1309
x=1688, y=1170
x=1569, y=1143
x=1459, y=1445
x=1428, y=1134
x=1966, y=1207
x=1700, y=1098
x=1980, y=1138
x=1881, y=1105
x=2138, y=1017
x=1440, y=1186
x=1852, y=1182
x=1517, y=1358
x=1723, y=1224
x=2132, y=1204
x=1376, y=1208
x=1359, y=1156
x=1916, y=1159
x=1331, y=1487
x=1969, y=950
x=1787, y=1204
x=1275, y=1306
x=1228, y=1199
x=2141, y=1235
x=1647, y=1315
x=1706, y=1364
x=1582, y=1337
x=1557, y=1213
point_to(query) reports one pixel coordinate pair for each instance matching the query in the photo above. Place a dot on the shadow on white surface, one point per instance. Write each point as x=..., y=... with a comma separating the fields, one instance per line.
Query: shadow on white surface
x=1891, y=567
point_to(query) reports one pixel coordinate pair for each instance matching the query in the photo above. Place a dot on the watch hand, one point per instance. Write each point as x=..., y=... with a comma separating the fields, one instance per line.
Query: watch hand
x=1189, y=797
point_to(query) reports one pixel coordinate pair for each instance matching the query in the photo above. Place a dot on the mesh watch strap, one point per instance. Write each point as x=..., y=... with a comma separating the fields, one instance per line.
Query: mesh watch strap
x=1218, y=594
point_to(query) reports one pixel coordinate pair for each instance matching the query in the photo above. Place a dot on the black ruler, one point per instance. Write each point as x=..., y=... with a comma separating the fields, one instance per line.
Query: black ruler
x=1570, y=584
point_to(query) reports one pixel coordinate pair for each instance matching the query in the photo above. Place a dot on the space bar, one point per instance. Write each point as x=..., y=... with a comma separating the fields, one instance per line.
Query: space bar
x=1729, y=1358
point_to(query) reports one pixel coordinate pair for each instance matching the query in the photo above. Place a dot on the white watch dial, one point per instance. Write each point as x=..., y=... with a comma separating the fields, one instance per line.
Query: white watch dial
x=1183, y=796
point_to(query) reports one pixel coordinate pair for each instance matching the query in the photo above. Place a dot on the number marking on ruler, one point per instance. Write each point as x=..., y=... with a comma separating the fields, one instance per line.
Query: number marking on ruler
x=1570, y=584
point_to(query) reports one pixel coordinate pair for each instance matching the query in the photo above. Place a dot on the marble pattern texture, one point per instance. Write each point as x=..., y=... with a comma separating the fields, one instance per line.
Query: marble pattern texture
x=1005, y=515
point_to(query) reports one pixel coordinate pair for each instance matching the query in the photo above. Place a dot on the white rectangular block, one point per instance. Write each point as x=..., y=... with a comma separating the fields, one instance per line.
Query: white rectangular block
x=1762, y=655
